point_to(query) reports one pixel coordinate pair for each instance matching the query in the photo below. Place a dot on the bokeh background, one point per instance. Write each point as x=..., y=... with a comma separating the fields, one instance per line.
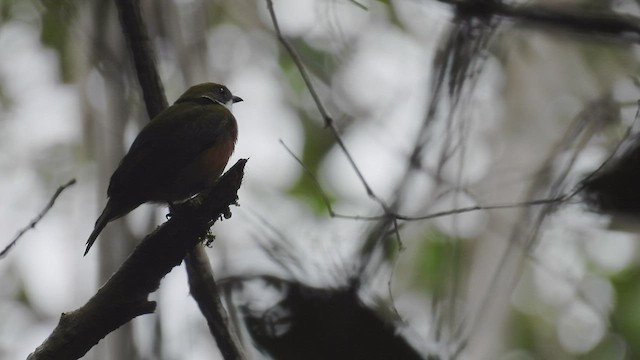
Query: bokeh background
x=438, y=113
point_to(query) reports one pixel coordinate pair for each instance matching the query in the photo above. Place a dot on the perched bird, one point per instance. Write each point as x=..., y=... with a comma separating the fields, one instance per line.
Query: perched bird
x=181, y=152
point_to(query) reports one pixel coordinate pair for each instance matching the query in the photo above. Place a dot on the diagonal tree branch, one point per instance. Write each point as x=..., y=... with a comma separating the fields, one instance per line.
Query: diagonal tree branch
x=125, y=295
x=205, y=292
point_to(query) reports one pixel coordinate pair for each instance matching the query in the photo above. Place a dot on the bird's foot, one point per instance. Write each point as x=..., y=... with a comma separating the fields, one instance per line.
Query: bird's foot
x=196, y=200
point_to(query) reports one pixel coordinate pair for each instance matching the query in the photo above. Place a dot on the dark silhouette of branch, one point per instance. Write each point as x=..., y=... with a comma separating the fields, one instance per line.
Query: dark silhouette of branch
x=205, y=293
x=137, y=37
x=568, y=18
x=37, y=219
x=611, y=187
x=125, y=294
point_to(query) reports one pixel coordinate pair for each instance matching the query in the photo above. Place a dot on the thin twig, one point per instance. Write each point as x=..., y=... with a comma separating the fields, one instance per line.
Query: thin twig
x=37, y=219
x=559, y=199
x=576, y=136
x=313, y=178
x=358, y=4
x=328, y=120
x=279, y=248
x=394, y=267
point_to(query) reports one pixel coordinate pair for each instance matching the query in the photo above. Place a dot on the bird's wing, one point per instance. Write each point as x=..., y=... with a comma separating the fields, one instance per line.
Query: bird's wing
x=166, y=145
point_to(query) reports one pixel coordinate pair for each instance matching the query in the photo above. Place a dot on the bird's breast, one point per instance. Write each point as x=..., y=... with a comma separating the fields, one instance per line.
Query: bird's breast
x=213, y=161
x=204, y=169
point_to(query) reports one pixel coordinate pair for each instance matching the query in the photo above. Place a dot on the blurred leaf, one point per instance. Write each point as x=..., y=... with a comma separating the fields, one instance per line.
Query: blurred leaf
x=607, y=58
x=626, y=316
x=5, y=10
x=611, y=348
x=292, y=74
x=435, y=260
x=317, y=144
x=522, y=334
x=22, y=296
x=320, y=63
x=57, y=18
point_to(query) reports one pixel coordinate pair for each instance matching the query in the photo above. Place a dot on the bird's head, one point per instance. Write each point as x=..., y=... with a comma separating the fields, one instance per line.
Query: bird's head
x=209, y=93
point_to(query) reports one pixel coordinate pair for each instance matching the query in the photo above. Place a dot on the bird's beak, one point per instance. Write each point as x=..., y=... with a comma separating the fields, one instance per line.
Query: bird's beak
x=237, y=99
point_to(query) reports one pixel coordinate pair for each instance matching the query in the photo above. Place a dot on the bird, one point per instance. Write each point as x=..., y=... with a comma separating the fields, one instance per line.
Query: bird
x=177, y=155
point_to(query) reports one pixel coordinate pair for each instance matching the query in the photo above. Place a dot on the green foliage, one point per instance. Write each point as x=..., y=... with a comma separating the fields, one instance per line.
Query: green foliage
x=320, y=63
x=522, y=334
x=57, y=18
x=626, y=317
x=22, y=296
x=317, y=144
x=436, y=257
x=609, y=349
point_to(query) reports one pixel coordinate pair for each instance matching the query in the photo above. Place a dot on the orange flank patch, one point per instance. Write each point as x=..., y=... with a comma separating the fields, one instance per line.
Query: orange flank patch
x=205, y=169
x=214, y=160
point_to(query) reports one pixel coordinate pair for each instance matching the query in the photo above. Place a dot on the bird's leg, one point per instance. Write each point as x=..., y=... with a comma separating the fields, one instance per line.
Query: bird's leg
x=176, y=207
x=196, y=200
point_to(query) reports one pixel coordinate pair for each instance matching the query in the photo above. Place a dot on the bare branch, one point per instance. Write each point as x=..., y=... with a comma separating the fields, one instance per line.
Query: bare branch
x=328, y=120
x=204, y=290
x=37, y=219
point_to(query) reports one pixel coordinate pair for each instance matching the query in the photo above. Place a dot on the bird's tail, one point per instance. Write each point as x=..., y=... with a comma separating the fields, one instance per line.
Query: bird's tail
x=102, y=221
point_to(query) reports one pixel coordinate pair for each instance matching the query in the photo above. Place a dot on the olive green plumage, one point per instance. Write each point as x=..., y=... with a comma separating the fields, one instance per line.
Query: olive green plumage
x=178, y=154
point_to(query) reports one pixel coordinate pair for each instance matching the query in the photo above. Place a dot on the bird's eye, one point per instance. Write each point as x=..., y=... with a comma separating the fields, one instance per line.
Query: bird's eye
x=222, y=90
